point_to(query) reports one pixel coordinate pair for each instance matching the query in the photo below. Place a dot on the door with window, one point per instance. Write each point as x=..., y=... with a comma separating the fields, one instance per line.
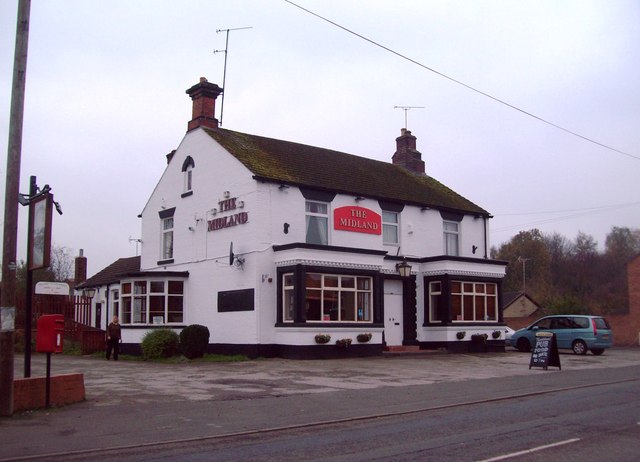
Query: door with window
x=393, y=318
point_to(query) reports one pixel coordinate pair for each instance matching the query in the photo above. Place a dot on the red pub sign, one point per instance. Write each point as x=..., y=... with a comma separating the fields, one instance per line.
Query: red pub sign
x=357, y=219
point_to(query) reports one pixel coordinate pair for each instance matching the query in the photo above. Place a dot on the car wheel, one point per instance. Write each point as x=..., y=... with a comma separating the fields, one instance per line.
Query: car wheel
x=579, y=347
x=523, y=345
x=597, y=351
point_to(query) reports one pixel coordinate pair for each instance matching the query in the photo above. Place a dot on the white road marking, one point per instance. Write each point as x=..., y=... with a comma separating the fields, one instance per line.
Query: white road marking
x=529, y=451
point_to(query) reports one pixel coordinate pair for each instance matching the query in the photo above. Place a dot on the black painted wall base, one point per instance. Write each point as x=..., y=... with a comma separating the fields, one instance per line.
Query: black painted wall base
x=328, y=351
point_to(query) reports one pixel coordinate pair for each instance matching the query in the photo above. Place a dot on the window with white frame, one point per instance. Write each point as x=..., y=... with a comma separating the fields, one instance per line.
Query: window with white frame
x=115, y=302
x=474, y=301
x=188, y=179
x=451, y=238
x=317, y=222
x=435, y=296
x=390, y=221
x=331, y=298
x=151, y=302
x=287, y=297
x=167, y=238
x=187, y=171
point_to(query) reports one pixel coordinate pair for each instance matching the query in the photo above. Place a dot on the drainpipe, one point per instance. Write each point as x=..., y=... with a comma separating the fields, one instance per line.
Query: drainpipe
x=106, y=311
x=486, y=250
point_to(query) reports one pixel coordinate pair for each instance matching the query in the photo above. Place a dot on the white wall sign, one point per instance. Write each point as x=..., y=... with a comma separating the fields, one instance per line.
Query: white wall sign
x=52, y=288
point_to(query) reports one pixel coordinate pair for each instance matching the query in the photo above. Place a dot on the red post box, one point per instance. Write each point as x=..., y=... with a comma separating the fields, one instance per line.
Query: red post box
x=50, y=333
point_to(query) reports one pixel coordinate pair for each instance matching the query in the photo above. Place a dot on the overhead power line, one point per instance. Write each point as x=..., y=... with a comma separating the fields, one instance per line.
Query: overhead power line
x=572, y=214
x=469, y=87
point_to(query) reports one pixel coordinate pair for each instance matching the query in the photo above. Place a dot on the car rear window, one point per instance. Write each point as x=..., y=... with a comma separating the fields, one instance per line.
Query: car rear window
x=601, y=323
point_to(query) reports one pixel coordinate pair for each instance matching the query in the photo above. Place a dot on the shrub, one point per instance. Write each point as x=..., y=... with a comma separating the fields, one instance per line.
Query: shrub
x=194, y=340
x=343, y=342
x=160, y=343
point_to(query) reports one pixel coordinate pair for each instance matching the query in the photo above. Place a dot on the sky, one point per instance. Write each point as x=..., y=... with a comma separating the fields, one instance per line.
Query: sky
x=105, y=101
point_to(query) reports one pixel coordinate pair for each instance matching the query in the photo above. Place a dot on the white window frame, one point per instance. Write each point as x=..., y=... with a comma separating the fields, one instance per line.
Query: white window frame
x=309, y=214
x=363, y=315
x=188, y=179
x=390, y=225
x=140, y=301
x=115, y=302
x=474, y=294
x=166, y=242
x=435, y=292
x=288, y=299
x=451, y=238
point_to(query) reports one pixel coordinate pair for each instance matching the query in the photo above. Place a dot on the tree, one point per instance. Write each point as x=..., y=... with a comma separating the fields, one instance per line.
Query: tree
x=62, y=264
x=622, y=244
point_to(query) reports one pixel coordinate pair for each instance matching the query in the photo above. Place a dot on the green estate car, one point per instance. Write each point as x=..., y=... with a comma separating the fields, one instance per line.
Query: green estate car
x=576, y=332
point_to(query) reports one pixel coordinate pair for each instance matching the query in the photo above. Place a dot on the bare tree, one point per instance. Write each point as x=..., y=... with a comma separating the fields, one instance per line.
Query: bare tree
x=61, y=263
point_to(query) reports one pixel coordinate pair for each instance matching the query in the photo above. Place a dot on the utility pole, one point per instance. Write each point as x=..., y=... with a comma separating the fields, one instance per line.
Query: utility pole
x=12, y=191
x=524, y=282
x=224, y=74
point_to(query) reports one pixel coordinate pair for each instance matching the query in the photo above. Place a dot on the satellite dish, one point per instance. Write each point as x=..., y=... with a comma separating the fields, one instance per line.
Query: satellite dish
x=231, y=253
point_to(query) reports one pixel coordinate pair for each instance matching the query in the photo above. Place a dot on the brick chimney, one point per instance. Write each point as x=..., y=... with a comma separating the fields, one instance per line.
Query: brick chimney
x=204, y=96
x=406, y=154
x=80, y=274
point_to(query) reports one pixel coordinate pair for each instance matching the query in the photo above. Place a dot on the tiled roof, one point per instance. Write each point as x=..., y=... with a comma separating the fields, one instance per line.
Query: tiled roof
x=113, y=273
x=509, y=297
x=301, y=165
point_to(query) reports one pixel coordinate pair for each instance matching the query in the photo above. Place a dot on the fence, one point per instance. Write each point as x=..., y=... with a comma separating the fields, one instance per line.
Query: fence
x=76, y=310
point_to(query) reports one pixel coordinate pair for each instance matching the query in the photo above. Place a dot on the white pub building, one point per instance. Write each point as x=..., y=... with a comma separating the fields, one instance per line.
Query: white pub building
x=269, y=243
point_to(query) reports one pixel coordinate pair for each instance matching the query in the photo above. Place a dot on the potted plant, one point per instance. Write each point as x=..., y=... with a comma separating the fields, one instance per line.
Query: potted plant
x=322, y=338
x=365, y=337
x=460, y=335
x=343, y=342
x=496, y=334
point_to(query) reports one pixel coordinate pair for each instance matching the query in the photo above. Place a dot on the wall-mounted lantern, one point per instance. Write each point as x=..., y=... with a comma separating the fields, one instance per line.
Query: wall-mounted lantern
x=89, y=292
x=404, y=269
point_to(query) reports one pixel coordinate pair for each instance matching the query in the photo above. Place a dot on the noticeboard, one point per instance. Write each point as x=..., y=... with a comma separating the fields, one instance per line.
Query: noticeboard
x=545, y=351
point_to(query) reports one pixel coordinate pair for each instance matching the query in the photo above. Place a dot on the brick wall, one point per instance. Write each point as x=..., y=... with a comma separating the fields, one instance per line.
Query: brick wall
x=626, y=327
x=30, y=393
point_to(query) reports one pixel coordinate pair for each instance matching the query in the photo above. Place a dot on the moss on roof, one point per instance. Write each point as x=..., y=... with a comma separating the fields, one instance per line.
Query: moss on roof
x=302, y=165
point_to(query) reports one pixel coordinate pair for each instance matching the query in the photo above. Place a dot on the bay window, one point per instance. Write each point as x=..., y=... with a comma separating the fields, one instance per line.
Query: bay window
x=330, y=298
x=474, y=301
x=151, y=302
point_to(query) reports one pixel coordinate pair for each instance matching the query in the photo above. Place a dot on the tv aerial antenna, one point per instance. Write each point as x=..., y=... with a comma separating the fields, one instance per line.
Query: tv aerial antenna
x=137, y=241
x=406, y=110
x=224, y=74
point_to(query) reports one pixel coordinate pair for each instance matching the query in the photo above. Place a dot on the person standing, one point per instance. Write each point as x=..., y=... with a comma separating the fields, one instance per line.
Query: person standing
x=114, y=337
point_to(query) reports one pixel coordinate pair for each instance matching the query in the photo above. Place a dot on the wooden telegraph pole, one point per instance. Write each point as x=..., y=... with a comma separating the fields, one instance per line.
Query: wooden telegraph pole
x=14, y=151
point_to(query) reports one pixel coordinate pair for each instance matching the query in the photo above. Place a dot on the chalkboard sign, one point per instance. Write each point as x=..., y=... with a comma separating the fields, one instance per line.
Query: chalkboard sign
x=545, y=351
